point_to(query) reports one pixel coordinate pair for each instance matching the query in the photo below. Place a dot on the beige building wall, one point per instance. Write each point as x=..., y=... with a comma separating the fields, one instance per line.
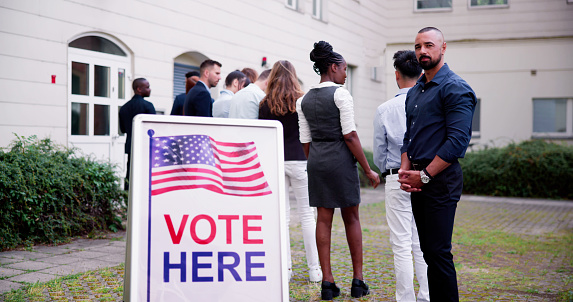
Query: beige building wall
x=237, y=33
x=508, y=55
x=494, y=49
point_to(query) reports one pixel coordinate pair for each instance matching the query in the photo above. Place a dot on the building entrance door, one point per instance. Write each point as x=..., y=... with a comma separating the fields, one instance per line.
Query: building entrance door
x=97, y=89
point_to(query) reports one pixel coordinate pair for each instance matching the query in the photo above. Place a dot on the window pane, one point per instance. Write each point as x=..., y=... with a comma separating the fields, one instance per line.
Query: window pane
x=121, y=83
x=422, y=4
x=99, y=44
x=79, y=119
x=179, y=71
x=80, y=78
x=118, y=122
x=101, y=120
x=488, y=2
x=314, y=8
x=101, y=81
x=476, y=118
x=549, y=115
x=317, y=9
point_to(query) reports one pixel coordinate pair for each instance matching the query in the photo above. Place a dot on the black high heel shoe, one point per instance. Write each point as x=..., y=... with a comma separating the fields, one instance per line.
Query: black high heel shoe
x=359, y=288
x=329, y=290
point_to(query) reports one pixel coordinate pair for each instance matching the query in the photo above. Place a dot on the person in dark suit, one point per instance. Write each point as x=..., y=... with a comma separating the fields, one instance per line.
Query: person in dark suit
x=133, y=107
x=191, y=78
x=198, y=101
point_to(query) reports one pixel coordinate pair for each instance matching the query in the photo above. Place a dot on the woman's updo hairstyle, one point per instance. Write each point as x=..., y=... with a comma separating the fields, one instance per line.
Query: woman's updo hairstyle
x=323, y=57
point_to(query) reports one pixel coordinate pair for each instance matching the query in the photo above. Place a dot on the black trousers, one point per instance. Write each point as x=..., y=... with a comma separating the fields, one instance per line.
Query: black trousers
x=434, y=209
x=126, y=181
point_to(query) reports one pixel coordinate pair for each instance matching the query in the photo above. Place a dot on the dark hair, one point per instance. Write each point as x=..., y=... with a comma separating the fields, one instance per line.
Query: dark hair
x=235, y=75
x=264, y=75
x=137, y=82
x=406, y=63
x=251, y=74
x=208, y=64
x=430, y=28
x=192, y=73
x=323, y=57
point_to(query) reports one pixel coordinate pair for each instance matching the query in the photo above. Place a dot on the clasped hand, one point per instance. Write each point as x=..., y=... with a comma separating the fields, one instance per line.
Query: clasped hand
x=410, y=180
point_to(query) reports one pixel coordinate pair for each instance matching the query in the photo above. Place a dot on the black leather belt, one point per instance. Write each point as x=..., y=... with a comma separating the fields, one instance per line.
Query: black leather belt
x=392, y=171
x=420, y=165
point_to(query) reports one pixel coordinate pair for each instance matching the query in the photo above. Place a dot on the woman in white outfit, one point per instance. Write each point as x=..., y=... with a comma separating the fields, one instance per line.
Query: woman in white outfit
x=279, y=104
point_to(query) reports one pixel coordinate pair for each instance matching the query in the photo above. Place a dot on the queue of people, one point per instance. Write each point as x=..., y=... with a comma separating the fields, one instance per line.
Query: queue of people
x=418, y=137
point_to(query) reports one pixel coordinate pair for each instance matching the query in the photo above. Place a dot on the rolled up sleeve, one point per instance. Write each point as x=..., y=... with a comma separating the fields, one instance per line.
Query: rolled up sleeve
x=345, y=104
x=303, y=127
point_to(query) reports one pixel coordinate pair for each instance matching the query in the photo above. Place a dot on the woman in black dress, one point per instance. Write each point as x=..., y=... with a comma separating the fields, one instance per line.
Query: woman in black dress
x=330, y=142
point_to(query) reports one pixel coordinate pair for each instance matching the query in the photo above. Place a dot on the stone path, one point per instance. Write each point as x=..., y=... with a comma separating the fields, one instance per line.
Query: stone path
x=43, y=263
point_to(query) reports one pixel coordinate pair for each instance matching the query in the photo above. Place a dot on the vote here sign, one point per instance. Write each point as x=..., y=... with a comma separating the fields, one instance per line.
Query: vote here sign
x=206, y=211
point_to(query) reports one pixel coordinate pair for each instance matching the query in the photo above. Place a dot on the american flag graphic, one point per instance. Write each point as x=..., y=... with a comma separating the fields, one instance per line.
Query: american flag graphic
x=198, y=161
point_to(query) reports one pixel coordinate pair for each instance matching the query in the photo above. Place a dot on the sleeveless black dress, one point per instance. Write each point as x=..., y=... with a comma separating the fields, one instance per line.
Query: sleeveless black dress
x=332, y=172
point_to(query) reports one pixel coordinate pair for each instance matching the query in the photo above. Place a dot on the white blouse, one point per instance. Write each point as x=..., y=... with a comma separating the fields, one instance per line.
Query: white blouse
x=343, y=101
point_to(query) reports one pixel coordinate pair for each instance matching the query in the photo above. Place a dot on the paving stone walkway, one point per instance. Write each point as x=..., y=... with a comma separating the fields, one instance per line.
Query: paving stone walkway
x=43, y=263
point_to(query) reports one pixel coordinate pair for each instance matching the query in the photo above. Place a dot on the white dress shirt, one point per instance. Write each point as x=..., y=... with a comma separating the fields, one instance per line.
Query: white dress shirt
x=389, y=129
x=245, y=103
x=343, y=101
x=222, y=104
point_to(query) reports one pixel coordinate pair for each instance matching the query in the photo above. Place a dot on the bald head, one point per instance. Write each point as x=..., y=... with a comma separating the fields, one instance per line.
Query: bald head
x=430, y=49
x=437, y=32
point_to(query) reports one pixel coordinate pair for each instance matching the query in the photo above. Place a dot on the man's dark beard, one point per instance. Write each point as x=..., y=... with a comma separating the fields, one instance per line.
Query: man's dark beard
x=430, y=63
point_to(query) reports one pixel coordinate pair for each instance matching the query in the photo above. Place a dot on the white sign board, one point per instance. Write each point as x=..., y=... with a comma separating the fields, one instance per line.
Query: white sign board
x=206, y=211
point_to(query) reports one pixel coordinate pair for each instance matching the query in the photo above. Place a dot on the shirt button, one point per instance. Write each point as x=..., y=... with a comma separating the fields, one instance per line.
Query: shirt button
x=410, y=140
x=422, y=90
x=416, y=106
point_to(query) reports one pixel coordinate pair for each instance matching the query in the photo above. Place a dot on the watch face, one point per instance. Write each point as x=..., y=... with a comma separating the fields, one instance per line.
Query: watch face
x=424, y=178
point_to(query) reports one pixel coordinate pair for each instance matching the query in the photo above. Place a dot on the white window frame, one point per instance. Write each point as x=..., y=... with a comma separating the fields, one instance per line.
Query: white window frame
x=375, y=74
x=470, y=6
x=477, y=134
x=568, y=121
x=438, y=9
x=317, y=11
x=350, y=74
x=294, y=4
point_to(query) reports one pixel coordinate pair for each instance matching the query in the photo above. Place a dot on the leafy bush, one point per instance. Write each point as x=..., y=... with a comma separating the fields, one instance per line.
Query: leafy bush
x=364, y=182
x=529, y=169
x=48, y=193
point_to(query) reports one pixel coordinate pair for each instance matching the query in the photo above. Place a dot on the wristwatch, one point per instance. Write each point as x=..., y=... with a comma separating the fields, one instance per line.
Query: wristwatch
x=425, y=178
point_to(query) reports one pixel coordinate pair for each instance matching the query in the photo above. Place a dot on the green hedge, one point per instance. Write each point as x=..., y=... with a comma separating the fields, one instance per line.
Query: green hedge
x=49, y=193
x=528, y=169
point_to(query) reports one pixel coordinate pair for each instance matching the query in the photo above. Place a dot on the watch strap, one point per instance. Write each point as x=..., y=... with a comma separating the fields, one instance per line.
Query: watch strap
x=427, y=174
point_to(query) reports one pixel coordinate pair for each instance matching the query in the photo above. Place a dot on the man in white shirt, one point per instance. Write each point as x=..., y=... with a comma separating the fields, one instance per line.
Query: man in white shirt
x=245, y=103
x=389, y=129
x=233, y=83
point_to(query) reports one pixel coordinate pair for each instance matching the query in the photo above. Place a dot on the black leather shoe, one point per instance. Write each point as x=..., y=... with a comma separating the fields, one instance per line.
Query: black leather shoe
x=329, y=290
x=359, y=288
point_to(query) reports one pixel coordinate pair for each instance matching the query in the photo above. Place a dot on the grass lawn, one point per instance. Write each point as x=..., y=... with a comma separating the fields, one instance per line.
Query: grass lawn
x=492, y=264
